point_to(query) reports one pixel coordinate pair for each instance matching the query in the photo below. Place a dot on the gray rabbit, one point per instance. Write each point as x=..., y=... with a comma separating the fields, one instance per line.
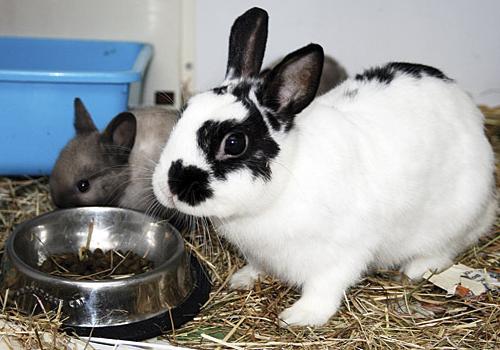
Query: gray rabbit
x=113, y=167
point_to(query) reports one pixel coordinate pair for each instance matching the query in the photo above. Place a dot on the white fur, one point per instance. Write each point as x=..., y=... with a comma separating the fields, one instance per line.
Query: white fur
x=398, y=175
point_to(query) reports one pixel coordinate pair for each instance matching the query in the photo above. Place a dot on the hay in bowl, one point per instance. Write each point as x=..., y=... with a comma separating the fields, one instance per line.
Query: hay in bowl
x=136, y=305
x=96, y=265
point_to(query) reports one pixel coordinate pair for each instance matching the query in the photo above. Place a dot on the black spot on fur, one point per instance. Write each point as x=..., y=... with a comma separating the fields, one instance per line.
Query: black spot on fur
x=189, y=183
x=381, y=74
x=260, y=151
x=220, y=90
x=289, y=123
x=387, y=73
x=275, y=124
x=271, y=118
x=351, y=93
x=241, y=92
x=418, y=70
x=277, y=120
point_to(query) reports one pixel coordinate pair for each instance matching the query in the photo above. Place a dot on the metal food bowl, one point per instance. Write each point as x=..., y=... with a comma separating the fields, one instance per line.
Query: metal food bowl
x=137, y=307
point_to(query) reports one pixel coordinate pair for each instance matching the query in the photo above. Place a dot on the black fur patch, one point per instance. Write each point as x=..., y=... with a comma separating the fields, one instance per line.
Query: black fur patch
x=418, y=70
x=289, y=123
x=387, y=73
x=220, y=90
x=260, y=151
x=275, y=123
x=381, y=74
x=271, y=118
x=189, y=183
x=241, y=92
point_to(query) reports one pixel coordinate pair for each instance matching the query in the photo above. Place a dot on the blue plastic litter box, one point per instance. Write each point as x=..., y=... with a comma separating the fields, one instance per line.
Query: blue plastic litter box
x=39, y=79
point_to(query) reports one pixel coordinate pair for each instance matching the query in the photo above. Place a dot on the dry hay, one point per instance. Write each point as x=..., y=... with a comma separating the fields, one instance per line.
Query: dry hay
x=382, y=311
x=20, y=200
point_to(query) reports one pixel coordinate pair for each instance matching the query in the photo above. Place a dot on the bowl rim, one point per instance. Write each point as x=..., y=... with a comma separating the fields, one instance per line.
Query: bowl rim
x=135, y=279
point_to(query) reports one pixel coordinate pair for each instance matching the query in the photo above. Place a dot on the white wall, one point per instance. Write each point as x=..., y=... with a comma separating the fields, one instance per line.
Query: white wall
x=461, y=37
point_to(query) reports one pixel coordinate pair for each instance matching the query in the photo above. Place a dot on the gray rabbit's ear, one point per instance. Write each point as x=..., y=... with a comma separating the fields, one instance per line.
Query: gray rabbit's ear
x=291, y=86
x=263, y=73
x=247, y=44
x=83, y=121
x=121, y=131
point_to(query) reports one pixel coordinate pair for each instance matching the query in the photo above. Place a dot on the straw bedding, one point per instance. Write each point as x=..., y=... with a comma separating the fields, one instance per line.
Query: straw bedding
x=383, y=311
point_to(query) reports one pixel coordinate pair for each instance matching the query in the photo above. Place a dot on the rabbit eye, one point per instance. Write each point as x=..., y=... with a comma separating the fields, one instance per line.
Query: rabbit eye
x=83, y=185
x=235, y=144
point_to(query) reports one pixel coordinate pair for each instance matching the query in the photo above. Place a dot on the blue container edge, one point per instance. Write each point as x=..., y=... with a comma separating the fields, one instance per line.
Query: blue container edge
x=122, y=76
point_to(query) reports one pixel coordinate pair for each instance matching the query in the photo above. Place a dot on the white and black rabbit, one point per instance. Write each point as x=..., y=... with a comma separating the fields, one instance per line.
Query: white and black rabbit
x=389, y=169
x=113, y=167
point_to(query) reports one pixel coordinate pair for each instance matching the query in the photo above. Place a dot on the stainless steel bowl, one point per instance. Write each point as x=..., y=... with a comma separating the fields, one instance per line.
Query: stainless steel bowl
x=172, y=292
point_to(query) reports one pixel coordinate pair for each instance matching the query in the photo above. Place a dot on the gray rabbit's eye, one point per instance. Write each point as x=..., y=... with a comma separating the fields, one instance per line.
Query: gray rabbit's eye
x=235, y=144
x=83, y=185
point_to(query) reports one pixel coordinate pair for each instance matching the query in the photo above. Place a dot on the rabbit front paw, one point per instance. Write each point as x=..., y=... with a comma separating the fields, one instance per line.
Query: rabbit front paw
x=244, y=278
x=303, y=313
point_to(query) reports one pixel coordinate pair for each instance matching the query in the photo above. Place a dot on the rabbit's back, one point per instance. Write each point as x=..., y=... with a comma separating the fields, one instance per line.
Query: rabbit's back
x=408, y=153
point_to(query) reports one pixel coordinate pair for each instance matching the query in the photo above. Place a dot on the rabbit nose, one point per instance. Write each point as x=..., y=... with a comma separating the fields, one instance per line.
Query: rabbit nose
x=189, y=183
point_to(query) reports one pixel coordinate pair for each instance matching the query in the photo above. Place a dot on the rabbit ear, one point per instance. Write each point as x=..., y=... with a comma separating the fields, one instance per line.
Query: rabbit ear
x=291, y=86
x=247, y=44
x=263, y=73
x=121, y=131
x=83, y=121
